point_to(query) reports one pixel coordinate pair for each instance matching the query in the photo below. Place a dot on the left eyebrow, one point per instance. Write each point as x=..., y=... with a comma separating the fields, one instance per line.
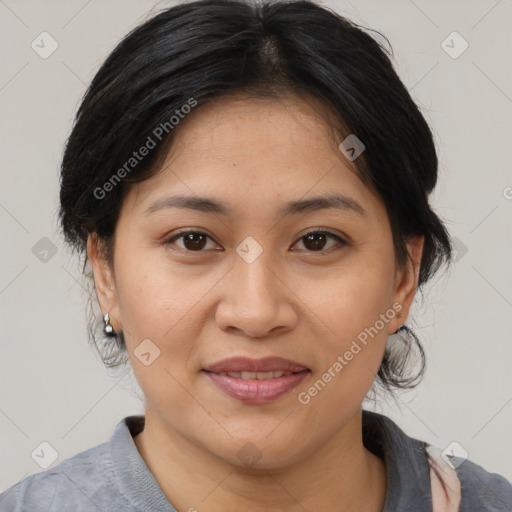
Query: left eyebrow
x=208, y=205
x=324, y=202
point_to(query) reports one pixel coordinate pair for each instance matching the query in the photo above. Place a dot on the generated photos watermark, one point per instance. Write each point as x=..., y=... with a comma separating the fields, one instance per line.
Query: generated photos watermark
x=355, y=348
x=151, y=142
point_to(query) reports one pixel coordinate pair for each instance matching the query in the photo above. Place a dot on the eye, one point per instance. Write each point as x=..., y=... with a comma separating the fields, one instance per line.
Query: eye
x=193, y=241
x=315, y=241
x=196, y=241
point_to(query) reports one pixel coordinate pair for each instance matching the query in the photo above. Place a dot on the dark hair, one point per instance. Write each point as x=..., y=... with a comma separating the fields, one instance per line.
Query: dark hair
x=203, y=50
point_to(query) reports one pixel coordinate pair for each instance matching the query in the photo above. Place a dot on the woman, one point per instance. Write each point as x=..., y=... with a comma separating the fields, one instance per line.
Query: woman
x=250, y=185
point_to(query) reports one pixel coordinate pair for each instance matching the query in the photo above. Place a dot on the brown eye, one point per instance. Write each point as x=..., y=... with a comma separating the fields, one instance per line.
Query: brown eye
x=193, y=241
x=317, y=240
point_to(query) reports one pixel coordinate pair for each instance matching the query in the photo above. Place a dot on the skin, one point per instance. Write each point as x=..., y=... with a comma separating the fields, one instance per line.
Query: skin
x=292, y=301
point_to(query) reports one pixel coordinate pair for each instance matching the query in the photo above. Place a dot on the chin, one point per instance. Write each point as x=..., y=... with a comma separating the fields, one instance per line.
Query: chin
x=257, y=453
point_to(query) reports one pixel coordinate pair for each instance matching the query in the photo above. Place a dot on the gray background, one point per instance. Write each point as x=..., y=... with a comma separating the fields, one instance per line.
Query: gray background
x=53, y=387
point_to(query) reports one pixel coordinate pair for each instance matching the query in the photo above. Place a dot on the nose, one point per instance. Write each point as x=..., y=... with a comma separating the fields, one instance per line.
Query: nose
x=256, y=300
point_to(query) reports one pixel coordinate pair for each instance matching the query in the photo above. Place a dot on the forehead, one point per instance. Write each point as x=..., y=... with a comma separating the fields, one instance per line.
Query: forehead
x=237, y=146
x=246, y=124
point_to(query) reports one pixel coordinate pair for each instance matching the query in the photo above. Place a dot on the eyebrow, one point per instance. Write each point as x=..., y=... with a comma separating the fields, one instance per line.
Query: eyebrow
x=208, y=205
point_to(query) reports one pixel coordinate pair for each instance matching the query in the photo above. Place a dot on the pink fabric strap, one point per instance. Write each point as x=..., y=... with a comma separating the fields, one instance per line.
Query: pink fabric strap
x=444, y=498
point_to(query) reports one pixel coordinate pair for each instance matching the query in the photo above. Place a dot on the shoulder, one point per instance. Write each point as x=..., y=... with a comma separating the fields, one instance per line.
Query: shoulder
x=81, y=483
x=482, y=490
x=411, y=460
x=457, y=480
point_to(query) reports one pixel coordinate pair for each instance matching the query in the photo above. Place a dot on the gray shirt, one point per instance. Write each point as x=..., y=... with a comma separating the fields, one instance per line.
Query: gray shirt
x=113, y=477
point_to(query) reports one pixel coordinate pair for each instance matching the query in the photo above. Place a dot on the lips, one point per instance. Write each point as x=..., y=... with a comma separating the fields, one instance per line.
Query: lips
x=256, y=381
x=246, y=364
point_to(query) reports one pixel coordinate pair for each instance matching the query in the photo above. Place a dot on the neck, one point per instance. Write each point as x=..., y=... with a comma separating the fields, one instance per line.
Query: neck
x=342, y=475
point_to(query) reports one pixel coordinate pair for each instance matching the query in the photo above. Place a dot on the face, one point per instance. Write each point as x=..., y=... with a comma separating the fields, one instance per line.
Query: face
x=270, y=274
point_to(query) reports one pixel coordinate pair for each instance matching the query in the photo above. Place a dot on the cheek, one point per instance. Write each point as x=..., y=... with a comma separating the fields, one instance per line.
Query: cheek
x=353, y=298
x=159, y=307
x=355, y=310
x=155, y=295
x=161, y=302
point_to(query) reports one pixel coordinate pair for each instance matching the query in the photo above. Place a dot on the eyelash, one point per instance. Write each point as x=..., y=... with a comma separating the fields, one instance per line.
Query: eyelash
x=180, y=234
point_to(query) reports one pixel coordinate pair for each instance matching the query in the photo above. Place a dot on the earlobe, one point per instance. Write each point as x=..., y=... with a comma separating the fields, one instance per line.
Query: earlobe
x=104, y=281
x=407, y=279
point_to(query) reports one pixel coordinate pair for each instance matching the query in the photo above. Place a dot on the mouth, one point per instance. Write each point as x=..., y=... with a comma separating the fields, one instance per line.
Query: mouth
x=255, y=381
x=256, y=375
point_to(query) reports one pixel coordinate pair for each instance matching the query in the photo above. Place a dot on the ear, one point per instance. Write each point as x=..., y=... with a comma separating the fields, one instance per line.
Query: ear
x=406, y=282
x=104, y=281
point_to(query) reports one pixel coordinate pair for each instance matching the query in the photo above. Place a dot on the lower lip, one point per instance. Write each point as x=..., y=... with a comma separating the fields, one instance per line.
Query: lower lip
x=256, y=391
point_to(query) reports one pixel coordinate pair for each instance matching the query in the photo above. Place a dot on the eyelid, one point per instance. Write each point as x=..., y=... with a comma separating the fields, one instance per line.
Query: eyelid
x=168, y=240
x=341, y=239
x=325, y=231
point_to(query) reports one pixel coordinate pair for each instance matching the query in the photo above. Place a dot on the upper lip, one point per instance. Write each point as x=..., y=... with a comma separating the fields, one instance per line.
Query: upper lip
x=247, y=364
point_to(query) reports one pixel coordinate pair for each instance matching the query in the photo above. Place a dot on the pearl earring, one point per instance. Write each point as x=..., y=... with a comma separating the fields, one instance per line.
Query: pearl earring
x=109, y=329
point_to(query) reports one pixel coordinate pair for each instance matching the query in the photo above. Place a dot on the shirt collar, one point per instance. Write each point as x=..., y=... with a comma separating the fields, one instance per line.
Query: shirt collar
x=407, y=470
x=135, y=480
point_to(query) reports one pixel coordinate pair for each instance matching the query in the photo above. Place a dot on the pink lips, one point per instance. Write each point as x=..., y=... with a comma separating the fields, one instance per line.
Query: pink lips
x=256, y=390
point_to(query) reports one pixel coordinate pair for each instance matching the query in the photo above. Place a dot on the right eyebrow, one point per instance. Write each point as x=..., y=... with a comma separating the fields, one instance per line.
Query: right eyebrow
x=202, y=204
